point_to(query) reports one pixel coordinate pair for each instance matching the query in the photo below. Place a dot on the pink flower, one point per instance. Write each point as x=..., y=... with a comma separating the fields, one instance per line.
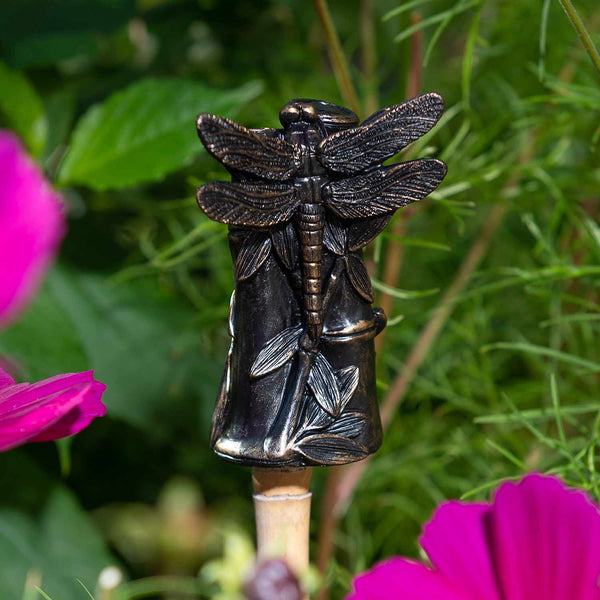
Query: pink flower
x=537, y=540
x=47, y=410
x=31, y=226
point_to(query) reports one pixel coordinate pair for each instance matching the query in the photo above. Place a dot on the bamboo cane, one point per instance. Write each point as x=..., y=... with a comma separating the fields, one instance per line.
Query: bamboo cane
x=282, y=509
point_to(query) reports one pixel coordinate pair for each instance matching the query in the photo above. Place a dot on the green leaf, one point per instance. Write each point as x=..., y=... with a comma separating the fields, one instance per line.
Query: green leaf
x=537, y=414
x=402, y=294
x=23, y=109
x=145, y=131
x=140, y=341
x=62, y=546
x=532, y=349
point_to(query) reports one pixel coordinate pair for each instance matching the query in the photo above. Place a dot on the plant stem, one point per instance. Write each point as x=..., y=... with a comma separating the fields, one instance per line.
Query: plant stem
x=582, y=32
x=337, y=56
x=395, y=250
x=413, y=84
x=369, y=56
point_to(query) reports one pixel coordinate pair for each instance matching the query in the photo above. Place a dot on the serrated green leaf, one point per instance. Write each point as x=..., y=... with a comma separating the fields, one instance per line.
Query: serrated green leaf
x=145, y=131
x=23, y=109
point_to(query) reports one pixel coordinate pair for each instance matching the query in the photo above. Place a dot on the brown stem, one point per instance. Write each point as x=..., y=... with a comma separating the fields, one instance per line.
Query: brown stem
x=337, y=57
x=413, y=85
x=369, y=56
x=395, y=250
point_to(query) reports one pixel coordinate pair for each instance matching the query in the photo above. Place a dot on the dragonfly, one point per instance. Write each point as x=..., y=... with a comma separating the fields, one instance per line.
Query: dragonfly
x=308, y=179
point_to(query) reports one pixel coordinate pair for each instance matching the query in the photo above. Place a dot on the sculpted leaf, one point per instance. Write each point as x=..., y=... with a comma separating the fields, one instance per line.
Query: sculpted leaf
x=254, y=252
x=364, y=231
x=328, y=449
x=323, y=383
x=316, y=417
x=335, y=237
x=278, y=351
x=348, y=381
x=359, y=278
x=286, y=245
x=348, y=425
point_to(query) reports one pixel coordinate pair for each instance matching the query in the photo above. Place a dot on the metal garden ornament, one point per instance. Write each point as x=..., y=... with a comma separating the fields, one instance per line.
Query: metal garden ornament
x=299, y=382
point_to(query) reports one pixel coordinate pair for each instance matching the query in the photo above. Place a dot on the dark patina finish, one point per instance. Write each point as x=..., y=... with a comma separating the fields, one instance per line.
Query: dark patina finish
x=299, y=382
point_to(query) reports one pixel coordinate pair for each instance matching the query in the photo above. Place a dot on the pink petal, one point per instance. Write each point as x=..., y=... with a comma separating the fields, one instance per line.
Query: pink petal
x=403, y=579
x=57, y=407
x=547, y=541
x=458, y=544
x=32, y=226
x=79, y=417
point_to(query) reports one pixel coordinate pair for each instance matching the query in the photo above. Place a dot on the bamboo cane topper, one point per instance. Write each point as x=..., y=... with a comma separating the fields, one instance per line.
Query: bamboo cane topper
x=299, y=383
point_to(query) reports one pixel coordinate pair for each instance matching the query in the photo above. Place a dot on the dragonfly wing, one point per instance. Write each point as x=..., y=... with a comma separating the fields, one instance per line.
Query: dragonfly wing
x=241, y=149
x=248, y=204
x=382, y=191
x=381, y=135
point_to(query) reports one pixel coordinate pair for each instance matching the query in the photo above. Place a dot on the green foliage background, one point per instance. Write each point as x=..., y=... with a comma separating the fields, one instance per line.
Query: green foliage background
x=104, y=94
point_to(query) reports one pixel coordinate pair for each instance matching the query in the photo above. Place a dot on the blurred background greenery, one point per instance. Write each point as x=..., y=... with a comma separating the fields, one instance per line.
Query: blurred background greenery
x=490, y=366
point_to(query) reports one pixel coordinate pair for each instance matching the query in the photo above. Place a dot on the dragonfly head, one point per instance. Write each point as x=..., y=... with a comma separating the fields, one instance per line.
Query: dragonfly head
x=299, y=111
x=326, y=117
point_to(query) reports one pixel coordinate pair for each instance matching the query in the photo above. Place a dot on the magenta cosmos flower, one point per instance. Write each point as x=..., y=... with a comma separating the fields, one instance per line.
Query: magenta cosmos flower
x=31, y=226
x=47, y=410
x=537, y=540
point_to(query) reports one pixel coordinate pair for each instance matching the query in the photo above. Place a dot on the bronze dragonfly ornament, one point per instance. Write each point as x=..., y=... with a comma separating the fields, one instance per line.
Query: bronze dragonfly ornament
x=299, y=382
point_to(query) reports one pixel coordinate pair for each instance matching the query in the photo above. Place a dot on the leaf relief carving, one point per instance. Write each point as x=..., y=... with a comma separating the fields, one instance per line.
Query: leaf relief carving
x=323, y=383
x=330, y=449
x=286, y=245
x=278, y=351
x=359, y=278
x=253, y=254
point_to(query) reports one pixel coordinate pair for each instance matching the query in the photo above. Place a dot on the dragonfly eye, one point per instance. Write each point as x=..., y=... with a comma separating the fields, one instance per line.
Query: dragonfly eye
x=309, y=113
x=289, y=114
x=299, y=111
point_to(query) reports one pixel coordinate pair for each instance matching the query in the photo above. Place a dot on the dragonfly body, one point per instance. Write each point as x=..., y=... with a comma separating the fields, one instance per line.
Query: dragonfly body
x=310, y=222
x=302, y=132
